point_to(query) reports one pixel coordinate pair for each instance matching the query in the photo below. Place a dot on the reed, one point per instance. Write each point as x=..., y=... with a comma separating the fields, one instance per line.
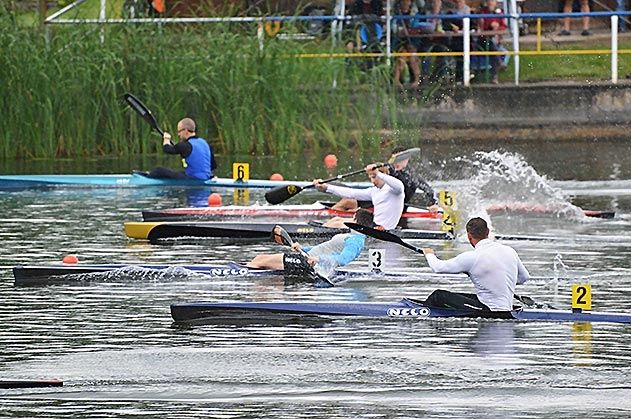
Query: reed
x=62, y=95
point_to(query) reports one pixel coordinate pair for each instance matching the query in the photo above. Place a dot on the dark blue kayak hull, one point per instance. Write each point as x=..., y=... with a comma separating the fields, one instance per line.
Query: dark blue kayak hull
x=42, y=275
x=403, y=309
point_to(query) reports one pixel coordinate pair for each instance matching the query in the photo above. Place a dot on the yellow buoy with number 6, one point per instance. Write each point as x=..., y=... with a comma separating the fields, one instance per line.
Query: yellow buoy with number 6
x=241, y=172
x=581, y=297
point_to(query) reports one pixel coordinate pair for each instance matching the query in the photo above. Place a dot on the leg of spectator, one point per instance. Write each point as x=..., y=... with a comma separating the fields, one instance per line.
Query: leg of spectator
x=567, y=8
x=414, y=67
x=585, y=9
x=399, y=65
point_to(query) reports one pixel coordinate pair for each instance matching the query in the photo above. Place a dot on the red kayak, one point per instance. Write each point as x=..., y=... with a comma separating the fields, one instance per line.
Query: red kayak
x=318, y=209
x=534, y=208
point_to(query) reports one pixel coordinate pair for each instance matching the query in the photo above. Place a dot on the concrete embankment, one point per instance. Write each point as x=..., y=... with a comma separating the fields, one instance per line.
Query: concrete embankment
x=529, y=111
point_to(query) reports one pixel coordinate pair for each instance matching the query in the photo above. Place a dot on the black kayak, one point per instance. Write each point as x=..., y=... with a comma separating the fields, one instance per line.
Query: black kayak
x=155, y=232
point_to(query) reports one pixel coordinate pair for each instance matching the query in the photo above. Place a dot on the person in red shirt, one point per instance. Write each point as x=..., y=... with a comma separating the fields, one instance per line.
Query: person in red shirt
x=492, y=42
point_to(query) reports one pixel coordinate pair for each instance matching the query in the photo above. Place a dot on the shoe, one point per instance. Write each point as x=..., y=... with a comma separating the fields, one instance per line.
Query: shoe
x=586, y=32
x=495, y=80
x=565, y=33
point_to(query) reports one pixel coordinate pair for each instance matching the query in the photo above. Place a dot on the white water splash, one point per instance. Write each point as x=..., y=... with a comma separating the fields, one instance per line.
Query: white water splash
x=503, y=181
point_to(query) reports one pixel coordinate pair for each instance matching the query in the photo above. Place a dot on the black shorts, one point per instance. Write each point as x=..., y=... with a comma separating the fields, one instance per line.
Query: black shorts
x=295, y=264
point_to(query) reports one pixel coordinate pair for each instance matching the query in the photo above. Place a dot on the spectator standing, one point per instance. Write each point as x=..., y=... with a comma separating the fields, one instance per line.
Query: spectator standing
x=567, y=8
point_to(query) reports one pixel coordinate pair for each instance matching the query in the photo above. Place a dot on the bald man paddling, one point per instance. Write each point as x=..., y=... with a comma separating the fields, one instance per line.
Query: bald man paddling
x=197, y=155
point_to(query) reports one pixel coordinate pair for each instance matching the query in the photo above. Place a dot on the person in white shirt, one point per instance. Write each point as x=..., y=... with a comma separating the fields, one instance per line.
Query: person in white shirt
x=387, y=195
x=494, y=269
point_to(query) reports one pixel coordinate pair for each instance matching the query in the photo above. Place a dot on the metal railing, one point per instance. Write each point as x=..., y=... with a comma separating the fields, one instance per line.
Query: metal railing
x=337, y=22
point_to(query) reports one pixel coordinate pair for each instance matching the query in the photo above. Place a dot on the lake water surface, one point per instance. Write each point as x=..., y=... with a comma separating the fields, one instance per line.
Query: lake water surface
x=114, y=345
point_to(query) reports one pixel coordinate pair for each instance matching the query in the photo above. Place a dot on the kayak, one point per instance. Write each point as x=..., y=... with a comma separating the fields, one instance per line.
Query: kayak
x=156, y=231
x=318, y=209
x=41, y=275
x=30, y=383
x=406, y=308
x=140, y=180
x=542, y=209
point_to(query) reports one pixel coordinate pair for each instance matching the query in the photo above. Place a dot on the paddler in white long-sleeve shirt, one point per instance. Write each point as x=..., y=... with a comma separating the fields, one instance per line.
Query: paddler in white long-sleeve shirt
x=387, y=195
x=494, y=269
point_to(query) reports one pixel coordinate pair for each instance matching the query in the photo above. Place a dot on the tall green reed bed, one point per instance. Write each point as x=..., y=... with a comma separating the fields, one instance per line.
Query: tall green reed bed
x=60, y=94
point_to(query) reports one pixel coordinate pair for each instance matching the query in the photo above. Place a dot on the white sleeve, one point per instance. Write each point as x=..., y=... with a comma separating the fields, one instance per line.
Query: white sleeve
x=344, y=192
x=461, y=263
x=395, y=184
x=522, y=272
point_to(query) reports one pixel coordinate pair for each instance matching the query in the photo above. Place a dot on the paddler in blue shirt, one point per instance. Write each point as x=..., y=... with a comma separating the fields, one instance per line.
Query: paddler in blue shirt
x=197, y=155
x=340, y=250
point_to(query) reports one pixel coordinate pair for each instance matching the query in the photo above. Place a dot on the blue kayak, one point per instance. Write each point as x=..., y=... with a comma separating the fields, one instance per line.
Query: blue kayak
x=139, y=180
x=42, y=275
x=403, y=309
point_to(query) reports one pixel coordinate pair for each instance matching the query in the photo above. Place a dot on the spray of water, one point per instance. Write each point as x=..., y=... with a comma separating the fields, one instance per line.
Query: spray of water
x=503, y=181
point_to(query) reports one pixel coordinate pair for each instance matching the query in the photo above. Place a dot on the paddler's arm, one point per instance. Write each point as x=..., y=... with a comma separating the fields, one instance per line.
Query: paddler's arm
x=522, y=273
x=461, y=263
x=183, y=148
x=395, y=184
x=167, y=145
x=343, y=191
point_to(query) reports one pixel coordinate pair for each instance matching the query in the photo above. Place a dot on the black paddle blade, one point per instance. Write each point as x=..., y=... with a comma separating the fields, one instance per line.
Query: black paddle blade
x=143, y=111
x=280, y=236
x=281, y=193
x=382, y=235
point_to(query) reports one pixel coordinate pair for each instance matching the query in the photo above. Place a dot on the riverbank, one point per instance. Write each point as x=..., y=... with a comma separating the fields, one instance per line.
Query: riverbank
x=551, y=110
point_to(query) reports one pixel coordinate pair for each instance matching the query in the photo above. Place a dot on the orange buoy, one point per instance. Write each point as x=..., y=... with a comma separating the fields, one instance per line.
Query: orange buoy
x=276, y=176
x=70, y=259
x=330, y=161
x=214, y=200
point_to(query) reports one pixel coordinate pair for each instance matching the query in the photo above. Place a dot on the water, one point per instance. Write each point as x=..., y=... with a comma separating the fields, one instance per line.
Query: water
x=119, y=354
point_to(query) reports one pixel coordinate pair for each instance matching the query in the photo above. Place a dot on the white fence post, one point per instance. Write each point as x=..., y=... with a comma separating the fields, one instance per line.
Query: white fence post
x=514, y=24
x=466, y=48
x=102, y=17
x=614, y=49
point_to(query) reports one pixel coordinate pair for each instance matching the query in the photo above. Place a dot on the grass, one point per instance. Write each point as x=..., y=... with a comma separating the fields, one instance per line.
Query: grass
x=570, y=67
x=61, y=91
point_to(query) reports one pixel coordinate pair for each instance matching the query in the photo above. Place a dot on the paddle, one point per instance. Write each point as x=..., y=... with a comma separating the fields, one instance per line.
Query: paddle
x=382, y=235
x=283, y=193
x=389, y=237
x=143, y=111
x=280, y=236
